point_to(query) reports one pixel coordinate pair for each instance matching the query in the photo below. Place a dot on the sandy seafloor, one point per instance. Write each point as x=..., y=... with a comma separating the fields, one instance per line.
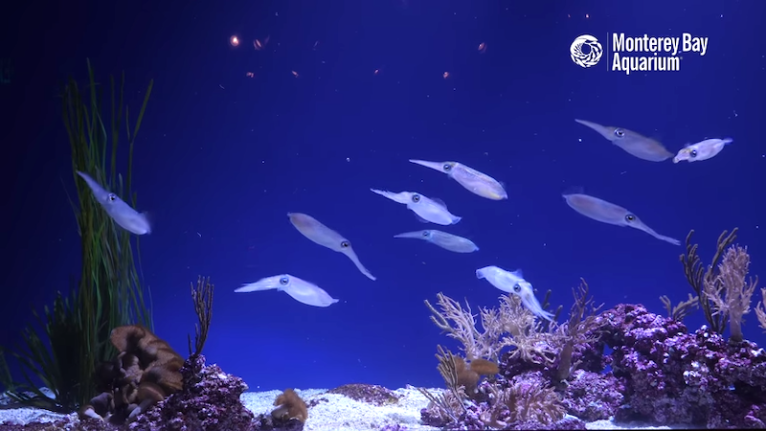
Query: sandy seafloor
x=338, y=413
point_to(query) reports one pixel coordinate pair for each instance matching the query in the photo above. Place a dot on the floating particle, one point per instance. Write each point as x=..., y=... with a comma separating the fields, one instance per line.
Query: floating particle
x=250, y=75
x=376, y=72
x=295, y=74
x=260, y=44
x=587, y=16
x=234, y=41
x=445, y=75
x=482, y=48
x=316, y=44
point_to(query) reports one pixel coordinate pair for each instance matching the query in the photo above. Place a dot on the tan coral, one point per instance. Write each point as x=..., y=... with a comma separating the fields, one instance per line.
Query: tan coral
x=290, y=406
x=145, y=371
x=525, y=402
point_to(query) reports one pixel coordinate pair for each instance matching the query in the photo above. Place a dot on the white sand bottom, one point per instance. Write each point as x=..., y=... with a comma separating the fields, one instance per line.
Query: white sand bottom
x=337, y=413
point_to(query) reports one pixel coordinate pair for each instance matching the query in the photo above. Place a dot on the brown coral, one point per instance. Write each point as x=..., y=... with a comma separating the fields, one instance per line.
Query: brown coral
x=145, y=371
x=290, y=406
x=524, y=402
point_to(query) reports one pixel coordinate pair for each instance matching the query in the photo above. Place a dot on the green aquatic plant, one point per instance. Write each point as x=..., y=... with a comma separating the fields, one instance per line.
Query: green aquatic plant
x=64, y=348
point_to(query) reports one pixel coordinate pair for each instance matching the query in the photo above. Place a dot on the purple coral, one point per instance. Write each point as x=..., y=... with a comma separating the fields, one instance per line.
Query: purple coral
x=592, y=396
x=671, y=376
x=210, y=400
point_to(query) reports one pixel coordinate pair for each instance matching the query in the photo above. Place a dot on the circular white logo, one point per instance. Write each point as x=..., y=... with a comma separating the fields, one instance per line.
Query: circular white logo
x=586, y=51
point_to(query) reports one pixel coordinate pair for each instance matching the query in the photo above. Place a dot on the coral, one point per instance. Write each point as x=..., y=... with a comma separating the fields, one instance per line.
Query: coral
x=290, y=415
x=580, y=329
x=211, y=402
x=371, y=394
x=730, y=291
x=697, y=275
x=290, y=406
x=523, y=401
x=760, y=310
x=511, y=325
x=145, y=371
x=683, y=309
x=202, y=297
x=593, y=396
x=671, y=376
x=463, y=327
x=526, y=402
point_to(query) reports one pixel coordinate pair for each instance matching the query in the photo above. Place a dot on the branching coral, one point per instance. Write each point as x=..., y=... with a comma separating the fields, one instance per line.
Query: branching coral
x=202, y=297
x=522, y=331
x=511, y=325
x=697, y=275
x=579, y=329
x=545, y=304
x=760, y=310
x=448, y=405
x=683, y=309
x=730, y=291
x=460, y=325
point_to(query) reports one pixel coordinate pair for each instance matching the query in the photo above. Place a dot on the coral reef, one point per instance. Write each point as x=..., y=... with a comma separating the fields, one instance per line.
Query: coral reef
x=625, y=362
x=660, y=374
x=672, y=376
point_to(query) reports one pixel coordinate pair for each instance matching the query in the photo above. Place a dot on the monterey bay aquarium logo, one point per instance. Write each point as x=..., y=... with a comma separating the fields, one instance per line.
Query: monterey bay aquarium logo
x=636, y=53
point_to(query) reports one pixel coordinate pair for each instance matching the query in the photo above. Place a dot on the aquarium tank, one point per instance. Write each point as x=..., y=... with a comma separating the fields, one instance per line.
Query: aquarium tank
x=383, y=215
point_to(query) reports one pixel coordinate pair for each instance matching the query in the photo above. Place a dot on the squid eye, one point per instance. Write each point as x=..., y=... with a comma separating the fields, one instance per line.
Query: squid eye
x=630, y=217
x=693, y=153
x=426, y=233
x=517, y=288
x=447, y=167
x=619, y=133
x=112, y=197
x=345, y=244
x=283, y=281
x=416, y=198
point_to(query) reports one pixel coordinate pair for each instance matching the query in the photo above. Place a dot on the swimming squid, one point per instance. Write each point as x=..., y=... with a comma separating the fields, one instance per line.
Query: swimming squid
x=445, y=240
x=633, y=143
x=704, y=150
x=312, y=229
x=432, y=210
x=514, y=283
x=607, y=212
x=122, y=213
x=300, y=290
x=474, y=181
